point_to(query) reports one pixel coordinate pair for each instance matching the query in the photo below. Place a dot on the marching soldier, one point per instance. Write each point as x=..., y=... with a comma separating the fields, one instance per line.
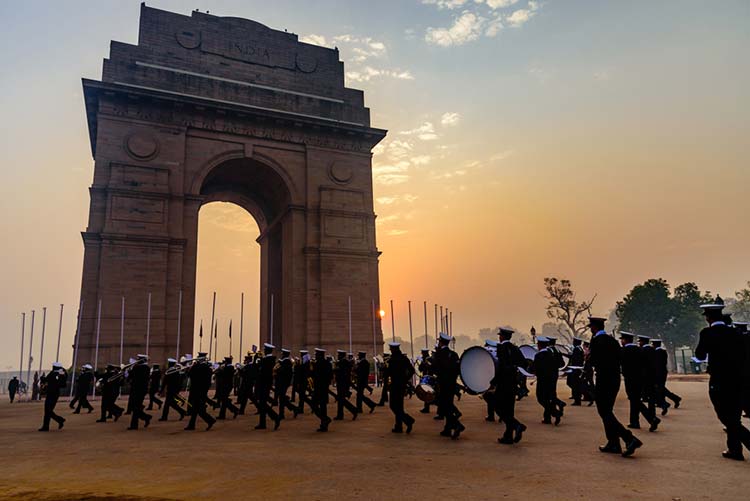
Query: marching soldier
x=509, y=358
x=300, y=377
x=445, y=365
x=575, y=372
x=322, y=374
x=401, y=372
x=661, y=371
x=724, y=348
x=248, y=373
x=154, y=382
x=200, y=382
x=55, y=381
x=343, y=374
x=139, y=379
x=110, y=388
x=489, y=396
x=425, y=369
x=604, y=357
x=741, y=327
x=560, y=364
x=83, y=389
x=545, y=367
x=171, y=387
x=632, y=372
x=224, y=384
x=384, y=377
x=13, y=388
x=362, y=371
x=263, y=388
x=282, y=381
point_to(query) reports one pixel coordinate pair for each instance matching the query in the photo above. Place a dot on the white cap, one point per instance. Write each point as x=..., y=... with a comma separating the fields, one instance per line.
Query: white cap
x=57, y=365
x=394, y=345
x=87, y=366
x=171, y=361
x=445, y=337
x=142, y=356
x=269, y=346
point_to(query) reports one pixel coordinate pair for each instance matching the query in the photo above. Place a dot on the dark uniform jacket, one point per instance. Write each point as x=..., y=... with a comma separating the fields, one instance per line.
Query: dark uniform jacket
x=172, y=383
x=225, y=380
x=509, y=358
x=604, y=357
x=545, y=366
x=265, y=376
x=632, y=360
x=200, y=380
x=322, y=373
x=446, y=368
x=577, y=357
x=284, y=374
x=649, y=366
x=55, y=382
x=154, y=380
x=723, y=346
x=363, y=373
x=343, y=374
x=110, y=389
x=85, y=379
x=301, y=373
x=401, y=371
x=138, y=377
x=661, y=360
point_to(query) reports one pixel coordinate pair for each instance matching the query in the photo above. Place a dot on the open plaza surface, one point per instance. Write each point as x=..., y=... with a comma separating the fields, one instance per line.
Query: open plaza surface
x=363, y=459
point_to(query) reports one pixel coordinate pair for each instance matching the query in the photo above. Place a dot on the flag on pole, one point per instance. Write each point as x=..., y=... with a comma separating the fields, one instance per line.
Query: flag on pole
x=200, y=331
x=230, y=329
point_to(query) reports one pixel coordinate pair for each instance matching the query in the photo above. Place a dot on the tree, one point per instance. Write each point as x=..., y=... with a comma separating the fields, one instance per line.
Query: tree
x=563, y=307
x=688, y=320
x=740, y=307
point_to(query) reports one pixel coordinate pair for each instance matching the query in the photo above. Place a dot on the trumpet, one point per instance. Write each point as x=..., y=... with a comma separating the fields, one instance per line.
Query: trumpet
x=121, y=374
x=183, y=366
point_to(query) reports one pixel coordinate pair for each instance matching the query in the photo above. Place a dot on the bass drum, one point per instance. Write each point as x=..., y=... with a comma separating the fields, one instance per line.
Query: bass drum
x=528, y=351
x=477, y=367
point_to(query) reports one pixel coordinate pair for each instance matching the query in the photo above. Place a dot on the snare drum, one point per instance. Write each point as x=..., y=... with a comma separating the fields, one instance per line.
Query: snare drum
x=426, y=390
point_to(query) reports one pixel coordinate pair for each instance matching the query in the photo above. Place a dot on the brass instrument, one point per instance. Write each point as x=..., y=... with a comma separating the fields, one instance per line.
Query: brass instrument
x=121, y=374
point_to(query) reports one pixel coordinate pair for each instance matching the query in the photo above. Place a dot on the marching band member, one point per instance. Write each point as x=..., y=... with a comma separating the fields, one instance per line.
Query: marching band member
x=263, y=388
x=384, y=377
x=425, y=369
x=545, y=366
x=300, y=377
x=649, y=376
x=661, y=370
x=605, y=359
x=170, y=388
x=322, y=374
x=724, y=348
x=560, y=364
x=343, y=375
x=199, y=375
x=632, y=373
x=401, y=371
x=282, y=381
x=509, y=358
x=446, y=367
x=139, y=379
x=110, y=389
x=224, y=384
x=247, y=382
x=55, y=380
x=574, y=375
x=362, y=371
x=154, y=382
x=83, y=389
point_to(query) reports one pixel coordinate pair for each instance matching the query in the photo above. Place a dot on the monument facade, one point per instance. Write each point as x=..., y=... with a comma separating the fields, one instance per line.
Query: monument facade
x=207, y=108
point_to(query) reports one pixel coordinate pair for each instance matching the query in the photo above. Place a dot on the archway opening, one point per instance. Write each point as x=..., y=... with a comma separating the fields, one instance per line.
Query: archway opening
x=228, y=264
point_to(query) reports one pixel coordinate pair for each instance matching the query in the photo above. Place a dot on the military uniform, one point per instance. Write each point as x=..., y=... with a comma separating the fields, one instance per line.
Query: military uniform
x=401, y=371
x=171, y=387
x=632, y=361
x=154, y=384
x=724, y=348
x=446, y=367
x=83, y=389
x=509, y=358
x=322, y=374
x=224, y=385
x=199, y=375
x=263, y=388
x=362, y=371
x=110, y=389
x=545, y=366
x=300, y=381
x=139, y=381
x=343, y=375
x=248, y=375
x=574, y=378
x=604, y=357
x=55, y=380
x=282, y=381
x=13, y=388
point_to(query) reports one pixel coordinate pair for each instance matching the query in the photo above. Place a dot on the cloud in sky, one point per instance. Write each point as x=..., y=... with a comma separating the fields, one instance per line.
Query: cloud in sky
x=425, y=132
x=479, y=18
x=450, y=118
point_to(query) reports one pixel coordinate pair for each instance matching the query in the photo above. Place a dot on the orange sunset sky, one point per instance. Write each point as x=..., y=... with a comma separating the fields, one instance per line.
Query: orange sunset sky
x=605, y=142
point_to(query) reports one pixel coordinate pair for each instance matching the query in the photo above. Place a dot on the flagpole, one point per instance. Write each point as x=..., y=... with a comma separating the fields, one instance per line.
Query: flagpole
x=425, y=325
x=20, y=364
x=450, y=329
x=200, y=337
x=75, y=350
x=436, y=323
x=31, y=345
x=393, y=323
x=374, y=344
x=271, y=341
x=230, y=337
x=59, y=334
x=411, y=335
x=350, y=325
x=216, y=343
x=148, y=323
x=211, y=329
x=442, y=323
x=122, y=327
x=242, y=315
x=44, y=325
x=179, y=327
x=96, y=350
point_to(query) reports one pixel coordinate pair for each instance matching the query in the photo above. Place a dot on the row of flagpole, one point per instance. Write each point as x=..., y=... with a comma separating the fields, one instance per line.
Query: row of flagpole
x=446, y=325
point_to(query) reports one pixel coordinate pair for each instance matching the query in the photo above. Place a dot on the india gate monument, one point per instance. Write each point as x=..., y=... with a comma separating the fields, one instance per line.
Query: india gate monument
x=204, y=109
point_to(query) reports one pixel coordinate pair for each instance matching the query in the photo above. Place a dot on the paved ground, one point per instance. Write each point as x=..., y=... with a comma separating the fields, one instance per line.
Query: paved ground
x=362, y=459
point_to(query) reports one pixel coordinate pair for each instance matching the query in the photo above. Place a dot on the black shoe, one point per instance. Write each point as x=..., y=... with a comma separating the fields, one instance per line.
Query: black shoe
x=131, y=428
x=162, y=419
x=91, y=410
x=372, y=408
x=148, y=422
x=61, y=423
x=276, y=424
x=457, y=431
x=424, y=411
x=101, y=420
x=611, y=448
x=505, y=440
x=260, y=427
x=182, y=416
x=665, y=409
x=489, y=419
x=576, y=404
x=438, y=418
x=654, y=424
x=409, y=426
x=677, y=402
x=43, y=429
x=354, y=417
x=338, y=418
x=546, y=421
x=189, y=428
x=397, y=430
x=631, y=446
x=557, y=418
x=737, y=456
x=634, y=426
x=519, y=433
x=210, y=425
x=117, y=416
x=445, y=433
